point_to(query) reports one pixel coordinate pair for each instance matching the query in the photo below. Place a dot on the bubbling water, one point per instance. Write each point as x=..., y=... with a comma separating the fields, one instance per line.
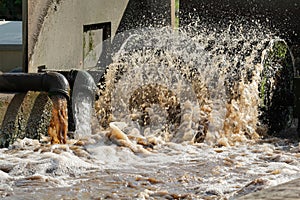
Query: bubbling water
x=207, y=84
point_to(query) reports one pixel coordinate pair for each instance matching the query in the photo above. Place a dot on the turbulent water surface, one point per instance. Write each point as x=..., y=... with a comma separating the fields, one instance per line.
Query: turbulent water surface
x=179, y=118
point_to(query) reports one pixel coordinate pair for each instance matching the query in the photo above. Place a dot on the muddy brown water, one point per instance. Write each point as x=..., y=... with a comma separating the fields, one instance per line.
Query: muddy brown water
x=172, y=171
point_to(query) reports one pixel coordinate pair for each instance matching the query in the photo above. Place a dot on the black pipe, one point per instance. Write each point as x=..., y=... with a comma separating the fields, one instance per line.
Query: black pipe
x=51, y=82
x=83, y=80
x=82, y=83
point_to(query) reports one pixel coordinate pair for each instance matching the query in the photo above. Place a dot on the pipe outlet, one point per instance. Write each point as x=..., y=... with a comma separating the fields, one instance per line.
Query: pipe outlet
x=51, y=82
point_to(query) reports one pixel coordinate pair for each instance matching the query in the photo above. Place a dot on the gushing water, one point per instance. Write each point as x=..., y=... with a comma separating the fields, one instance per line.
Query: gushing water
x=179, y=117
x=59, y=122
x=83, y=111
x=214, y=78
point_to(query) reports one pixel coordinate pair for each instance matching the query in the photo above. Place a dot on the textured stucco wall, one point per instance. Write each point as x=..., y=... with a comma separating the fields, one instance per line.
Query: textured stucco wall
x=55, y=29
x=24, y=115
x=10, y=58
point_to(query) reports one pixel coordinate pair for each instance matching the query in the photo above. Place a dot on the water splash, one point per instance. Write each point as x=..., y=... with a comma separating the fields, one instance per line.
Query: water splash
x=154, y=80
x=212, y=77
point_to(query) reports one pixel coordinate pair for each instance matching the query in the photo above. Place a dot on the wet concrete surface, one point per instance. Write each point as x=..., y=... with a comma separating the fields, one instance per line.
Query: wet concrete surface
x=24, y=115
x=289, y=190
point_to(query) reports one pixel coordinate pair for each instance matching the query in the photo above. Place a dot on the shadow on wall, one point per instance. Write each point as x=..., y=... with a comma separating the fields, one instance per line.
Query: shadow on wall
x=142, y=14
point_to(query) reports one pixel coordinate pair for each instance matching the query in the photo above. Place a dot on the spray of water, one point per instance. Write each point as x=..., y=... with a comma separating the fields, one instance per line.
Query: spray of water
x=165, y=89
x=193, y=84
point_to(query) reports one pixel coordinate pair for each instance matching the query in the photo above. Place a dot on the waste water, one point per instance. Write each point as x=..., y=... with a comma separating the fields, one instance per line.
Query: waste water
x=177, y=118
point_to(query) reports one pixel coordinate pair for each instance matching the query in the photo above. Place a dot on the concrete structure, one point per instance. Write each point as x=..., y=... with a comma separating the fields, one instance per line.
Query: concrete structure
x=286, y=191
x=56, y=31
x=24, y=115
x=69, y=34
x=10, y=45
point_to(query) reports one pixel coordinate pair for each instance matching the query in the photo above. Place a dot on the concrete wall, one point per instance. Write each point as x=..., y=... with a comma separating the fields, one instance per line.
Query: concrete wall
x=10, y=57
x=55, y=30
x=59, y=32
x=24, y=115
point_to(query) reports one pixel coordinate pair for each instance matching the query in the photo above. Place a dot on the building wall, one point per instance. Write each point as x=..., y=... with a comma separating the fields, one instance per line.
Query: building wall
x=10, y=57
x=55, y=30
